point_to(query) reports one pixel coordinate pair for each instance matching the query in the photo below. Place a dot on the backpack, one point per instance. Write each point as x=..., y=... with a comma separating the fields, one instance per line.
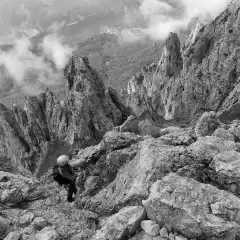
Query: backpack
x=58, y=177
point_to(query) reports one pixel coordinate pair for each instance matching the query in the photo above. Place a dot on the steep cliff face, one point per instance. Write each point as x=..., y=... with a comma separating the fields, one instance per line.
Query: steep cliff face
x=147, y=90
x=91, y=111
x=209, y=77
x=86, y=115
x=13, y=146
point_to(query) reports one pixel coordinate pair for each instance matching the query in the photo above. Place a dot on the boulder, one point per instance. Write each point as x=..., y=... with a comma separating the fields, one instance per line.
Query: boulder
x=144, y=236
x=226, y=167
x=193, y=209
x=235, y=129
x=39, y=223
x=207, y=147
x=111, y=141
x=178, y=138
x=48, y=233
x=16, y=188
x=163, y=232
x=4, y=227
x=26, y=218
x=150, y=227
x=224, y=134
x=13, y=236
x=207, y=124
x=121, y=224
x=133, y=178
x=180, y=238
x=86, y=234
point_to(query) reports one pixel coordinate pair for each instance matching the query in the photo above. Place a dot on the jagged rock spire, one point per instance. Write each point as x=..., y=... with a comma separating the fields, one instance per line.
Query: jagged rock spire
x=170, y=63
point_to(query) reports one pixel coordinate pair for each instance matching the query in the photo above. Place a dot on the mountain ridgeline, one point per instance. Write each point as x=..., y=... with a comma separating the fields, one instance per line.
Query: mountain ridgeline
x=197, y=78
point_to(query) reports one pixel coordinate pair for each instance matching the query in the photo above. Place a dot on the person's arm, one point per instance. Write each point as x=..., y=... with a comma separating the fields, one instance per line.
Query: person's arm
x=67, y=174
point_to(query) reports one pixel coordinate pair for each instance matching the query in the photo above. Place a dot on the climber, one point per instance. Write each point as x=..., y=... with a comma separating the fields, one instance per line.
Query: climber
x=64, y=174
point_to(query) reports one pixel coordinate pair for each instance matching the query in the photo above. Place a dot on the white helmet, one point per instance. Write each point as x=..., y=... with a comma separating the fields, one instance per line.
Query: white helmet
x=62, y=160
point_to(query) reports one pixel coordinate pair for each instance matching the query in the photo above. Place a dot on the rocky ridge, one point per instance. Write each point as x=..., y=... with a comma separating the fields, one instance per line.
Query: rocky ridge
x=172, y=186
x=191, y=80
x=87, y=114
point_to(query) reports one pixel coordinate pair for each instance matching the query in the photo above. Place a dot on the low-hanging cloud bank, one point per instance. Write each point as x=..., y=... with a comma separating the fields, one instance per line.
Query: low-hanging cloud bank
x=165, y=16
x=30, y=71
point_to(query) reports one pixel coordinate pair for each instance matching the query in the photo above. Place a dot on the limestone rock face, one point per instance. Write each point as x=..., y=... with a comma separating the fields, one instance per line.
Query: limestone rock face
x=15, y=189
x=13, y=145
x=121, y=224
x=193, y=209
x=144, y=88
x=92, y=111
x=171, y=61
x=131, y=174
x=208, y=80
x=87, y=114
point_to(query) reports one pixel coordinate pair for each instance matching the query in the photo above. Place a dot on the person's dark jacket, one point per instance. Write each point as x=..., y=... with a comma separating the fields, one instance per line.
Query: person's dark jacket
x=67, y=172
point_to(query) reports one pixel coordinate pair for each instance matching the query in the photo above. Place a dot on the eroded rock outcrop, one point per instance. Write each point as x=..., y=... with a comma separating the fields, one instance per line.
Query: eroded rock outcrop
x=13, y=145
x=92, y=111
x=171, y=61
x=127, y=165
x=193, y=209
x=208, y=80
x=87, y=114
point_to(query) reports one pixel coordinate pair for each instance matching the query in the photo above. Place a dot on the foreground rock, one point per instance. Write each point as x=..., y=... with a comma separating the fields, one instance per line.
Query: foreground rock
x=193, y=209
x=207, y=124
x=121, y=224
x=226, y=171
x=144, y=236
x=150, y=227
x=15, y=189
x=207, y=147
x=4, y=227
x=47, y=234
x=13, y=236
x=133, y=174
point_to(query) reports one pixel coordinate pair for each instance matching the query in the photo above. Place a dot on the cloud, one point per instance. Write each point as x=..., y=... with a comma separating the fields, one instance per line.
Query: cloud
x=55, y=50
x=33, y=72
x=165, y=16
x=150, y=8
